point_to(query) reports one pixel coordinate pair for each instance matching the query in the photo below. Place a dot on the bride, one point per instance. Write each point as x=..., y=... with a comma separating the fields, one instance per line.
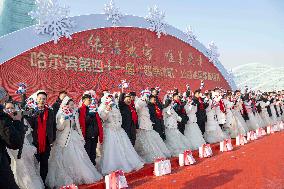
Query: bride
x=117, y=150
x=192, y=131
x=176, y=142
x=149, y=145
x=213, y=132
x=69, y=163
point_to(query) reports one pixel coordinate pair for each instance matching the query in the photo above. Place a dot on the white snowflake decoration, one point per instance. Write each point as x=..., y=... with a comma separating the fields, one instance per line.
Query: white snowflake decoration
x=113, y=13
x=156, y=19
x=52, y=19
x=190, y=35
x=231, y=76
x=213, y=52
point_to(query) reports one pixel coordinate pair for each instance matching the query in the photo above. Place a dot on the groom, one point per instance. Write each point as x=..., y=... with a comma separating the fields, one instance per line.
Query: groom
x=44, y=131
x=91, y=127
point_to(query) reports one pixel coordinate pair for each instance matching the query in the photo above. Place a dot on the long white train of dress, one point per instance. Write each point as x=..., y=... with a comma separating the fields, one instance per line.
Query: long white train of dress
x=149, y=145
x=117, y=150
x=69, y=162
x=192, y=131
x=26, y=169
x=175, y=141
x=242, y=125
x=252, y=123
x=213, y=132
x=231, y=125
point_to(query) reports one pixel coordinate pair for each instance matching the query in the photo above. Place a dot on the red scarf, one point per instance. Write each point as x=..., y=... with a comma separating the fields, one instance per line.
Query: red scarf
x=245, y=112
x=100, y=125
x=222, y=106
x=82, y=121
x=179, y=103
x=201, y=106
x=41, y=131
x=253, y=105
x=133, y=113
x=158, y=111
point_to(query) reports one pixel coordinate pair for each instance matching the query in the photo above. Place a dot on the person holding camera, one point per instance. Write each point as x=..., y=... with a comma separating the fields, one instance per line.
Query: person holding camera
x=11, y=136
x=23, y=165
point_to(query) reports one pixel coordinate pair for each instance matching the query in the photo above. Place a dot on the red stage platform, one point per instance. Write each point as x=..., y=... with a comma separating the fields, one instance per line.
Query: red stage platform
x=140, y=179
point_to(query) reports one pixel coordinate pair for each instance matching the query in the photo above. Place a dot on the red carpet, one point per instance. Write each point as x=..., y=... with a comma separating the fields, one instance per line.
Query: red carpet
x=257, y=165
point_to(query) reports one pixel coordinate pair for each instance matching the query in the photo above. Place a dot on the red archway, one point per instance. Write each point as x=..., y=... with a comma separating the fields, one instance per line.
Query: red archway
x=100, y=58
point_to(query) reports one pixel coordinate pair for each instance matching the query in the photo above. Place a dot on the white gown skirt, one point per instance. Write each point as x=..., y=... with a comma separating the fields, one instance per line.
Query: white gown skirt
x=213, y=132
x=150, y=146
x=252, y=122
x=242, y=125
x=176, y=142
x=26, y=169
x=118, y=152
x=71, y=165
x=194, y=136
x=265, y=118
x=233, y=127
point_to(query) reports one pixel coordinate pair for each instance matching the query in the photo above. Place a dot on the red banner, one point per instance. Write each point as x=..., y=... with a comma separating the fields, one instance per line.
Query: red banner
x=99, y=59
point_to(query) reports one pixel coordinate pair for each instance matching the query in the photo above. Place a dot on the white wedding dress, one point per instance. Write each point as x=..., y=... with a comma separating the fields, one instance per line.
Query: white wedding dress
x=69, y=162
x=26, y=169
x=242, y=124
x=149, y=145
x=264, y=114
x=192, y=131
x=117, y=151
x=275, y=119
x=231, y=124
x=252, y=122
x=213, y=132
x=175, y=141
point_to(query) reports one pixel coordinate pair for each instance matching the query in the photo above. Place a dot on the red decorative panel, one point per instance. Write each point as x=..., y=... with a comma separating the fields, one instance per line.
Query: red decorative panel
x=101, y=58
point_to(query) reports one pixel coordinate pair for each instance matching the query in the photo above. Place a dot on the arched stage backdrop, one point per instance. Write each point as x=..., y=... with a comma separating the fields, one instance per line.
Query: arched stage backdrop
x=100, y=58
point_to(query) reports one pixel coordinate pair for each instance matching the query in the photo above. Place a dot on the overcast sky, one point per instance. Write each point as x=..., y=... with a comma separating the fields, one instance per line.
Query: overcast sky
x=245, y=31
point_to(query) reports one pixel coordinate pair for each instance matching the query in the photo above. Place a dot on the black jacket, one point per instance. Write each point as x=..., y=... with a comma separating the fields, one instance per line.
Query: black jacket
x=125, y=113
x=50, y=126
x=92, y=129
x=11, y=136
x=201, y=113
x=179, y=109
x=158, y=124
x=56, y=106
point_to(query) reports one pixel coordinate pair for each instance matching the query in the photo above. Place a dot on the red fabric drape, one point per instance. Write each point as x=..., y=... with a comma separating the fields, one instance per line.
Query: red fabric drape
x=100, y=125
x=133, y=113
x=201, y=106
x=158, y=111
x=222, y=106
x=82, y=119
x=41, y=131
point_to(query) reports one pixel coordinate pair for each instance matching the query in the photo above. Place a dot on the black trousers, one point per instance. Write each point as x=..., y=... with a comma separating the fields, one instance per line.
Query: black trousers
x=43, y=160
x=181, y=127
x=131, y=133
x=90, y=147
x=159, y=127
x=7, y=180
x=201, y=125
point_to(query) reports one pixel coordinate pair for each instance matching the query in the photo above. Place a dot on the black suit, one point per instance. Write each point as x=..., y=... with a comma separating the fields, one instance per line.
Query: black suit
x=50, y=138
x=56, y=106
x=127, y=122
x=91, y=135
x=179, y=109
x=201, y=113
x=11, y=136
x=158, y=124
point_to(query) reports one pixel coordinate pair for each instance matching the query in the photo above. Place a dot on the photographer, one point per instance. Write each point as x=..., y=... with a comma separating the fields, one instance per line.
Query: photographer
x=11, y=136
